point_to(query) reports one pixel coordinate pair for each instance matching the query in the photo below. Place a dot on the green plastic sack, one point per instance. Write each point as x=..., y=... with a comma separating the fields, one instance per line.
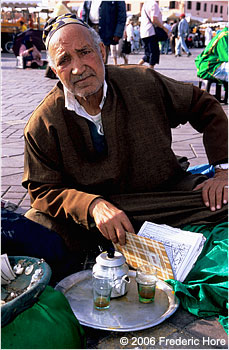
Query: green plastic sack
x=205, y=290
x=215, y=53
x=48, y=324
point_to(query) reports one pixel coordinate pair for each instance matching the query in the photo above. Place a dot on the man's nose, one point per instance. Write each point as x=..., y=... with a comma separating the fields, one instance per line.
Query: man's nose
x=77, y=66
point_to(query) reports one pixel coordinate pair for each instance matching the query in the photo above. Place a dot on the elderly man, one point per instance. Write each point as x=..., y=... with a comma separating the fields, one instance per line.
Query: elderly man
x=98, y=147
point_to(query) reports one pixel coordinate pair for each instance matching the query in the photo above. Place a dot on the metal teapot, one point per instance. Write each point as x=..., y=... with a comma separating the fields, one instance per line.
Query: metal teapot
x=112, y=264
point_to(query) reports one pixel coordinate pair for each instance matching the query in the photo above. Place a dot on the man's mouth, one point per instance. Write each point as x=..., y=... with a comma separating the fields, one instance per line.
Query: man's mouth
x=81, y=79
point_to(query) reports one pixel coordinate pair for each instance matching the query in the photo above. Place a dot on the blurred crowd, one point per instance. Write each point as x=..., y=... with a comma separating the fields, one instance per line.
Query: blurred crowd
x=121, y=34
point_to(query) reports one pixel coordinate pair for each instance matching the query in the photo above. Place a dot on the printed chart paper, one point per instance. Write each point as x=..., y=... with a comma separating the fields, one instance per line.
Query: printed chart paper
x=141, y=250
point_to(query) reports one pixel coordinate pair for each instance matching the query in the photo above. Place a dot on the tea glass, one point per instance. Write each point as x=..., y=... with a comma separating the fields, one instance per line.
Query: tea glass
x=102, y=287
x=146, y=278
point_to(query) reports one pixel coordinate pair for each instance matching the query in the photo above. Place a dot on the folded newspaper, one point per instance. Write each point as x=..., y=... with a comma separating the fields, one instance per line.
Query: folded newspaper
x=173, y=251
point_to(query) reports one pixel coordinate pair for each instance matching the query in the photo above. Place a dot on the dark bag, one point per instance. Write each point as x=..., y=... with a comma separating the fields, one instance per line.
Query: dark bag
x=126, y=47
x=160, y=34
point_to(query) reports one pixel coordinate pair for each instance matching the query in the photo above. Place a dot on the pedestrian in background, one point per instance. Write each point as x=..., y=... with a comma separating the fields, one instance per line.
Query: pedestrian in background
x=136, y=38
x=183, y=31
x=165, y=44
x=174, y=34
x=31, y=22
x=23, y=26
x=130, y=33
x=120, y=50
x=208, y=35
x=108, y=18
x=150, y=16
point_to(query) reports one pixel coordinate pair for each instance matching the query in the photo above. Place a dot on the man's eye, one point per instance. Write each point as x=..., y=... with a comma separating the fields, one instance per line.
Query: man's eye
x=63, y=61
x=85, y=52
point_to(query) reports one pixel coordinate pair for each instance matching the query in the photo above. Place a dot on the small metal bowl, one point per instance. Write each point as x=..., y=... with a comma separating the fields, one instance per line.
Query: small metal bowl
x=24, y=290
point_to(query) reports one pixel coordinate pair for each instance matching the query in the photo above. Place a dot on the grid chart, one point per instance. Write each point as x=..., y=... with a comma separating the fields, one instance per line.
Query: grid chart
x=141, y=250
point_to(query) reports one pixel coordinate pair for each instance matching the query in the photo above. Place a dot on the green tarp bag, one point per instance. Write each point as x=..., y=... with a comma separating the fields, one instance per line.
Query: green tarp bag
x=48, y=324
x=204, y=292
x=215, y=53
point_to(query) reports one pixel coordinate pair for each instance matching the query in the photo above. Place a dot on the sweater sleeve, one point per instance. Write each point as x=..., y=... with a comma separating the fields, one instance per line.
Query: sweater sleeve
x=59, y=202
x=207, y=116
x=187, y=103
x=49, y=190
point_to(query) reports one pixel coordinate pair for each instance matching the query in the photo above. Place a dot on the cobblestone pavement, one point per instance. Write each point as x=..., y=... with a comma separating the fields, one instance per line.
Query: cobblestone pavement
x=22, y=91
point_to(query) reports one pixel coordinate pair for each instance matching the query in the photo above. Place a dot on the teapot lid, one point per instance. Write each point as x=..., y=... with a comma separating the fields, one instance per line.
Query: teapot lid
x=117, y=260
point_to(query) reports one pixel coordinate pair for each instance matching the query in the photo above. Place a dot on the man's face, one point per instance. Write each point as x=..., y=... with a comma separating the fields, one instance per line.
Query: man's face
x=78, y=63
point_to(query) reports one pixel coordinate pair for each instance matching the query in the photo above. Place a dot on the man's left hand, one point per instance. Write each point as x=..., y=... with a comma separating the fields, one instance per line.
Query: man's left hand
x=215, y=190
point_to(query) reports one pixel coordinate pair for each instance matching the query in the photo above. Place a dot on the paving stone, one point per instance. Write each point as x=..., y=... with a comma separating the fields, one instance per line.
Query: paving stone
x=4, y=189
x=12, y=179
x=182, y=318
x=18, y=189
x=8, y=172
x=209, y=328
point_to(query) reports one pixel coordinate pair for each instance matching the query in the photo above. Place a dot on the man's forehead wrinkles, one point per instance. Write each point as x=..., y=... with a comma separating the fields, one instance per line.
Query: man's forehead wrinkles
x=60, y=51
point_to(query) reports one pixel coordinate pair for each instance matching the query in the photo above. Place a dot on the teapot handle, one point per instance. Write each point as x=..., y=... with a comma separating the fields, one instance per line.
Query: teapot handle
x=126, y=278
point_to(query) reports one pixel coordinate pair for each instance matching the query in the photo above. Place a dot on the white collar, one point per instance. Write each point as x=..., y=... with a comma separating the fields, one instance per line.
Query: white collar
x=72, y=104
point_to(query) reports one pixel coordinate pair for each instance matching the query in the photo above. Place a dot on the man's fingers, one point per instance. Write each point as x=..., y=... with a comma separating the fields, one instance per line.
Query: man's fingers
x=219, y=197
x=108, y=231
x=212, y=197
x=110, y=221
x=205, y=195
x=225, y=194
x=121, y=234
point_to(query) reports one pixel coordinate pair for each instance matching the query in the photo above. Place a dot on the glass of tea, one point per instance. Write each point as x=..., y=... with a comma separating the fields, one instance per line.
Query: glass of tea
x=102, y=287
x=146, y=278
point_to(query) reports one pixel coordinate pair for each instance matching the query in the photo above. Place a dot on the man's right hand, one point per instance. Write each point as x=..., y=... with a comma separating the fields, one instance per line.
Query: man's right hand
x=111, y=221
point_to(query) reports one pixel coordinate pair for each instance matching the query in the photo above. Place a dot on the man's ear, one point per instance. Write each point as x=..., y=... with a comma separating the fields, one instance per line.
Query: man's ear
x=103, y=51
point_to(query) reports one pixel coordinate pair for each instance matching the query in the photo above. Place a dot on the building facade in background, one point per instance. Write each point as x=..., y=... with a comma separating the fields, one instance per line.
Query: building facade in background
x=204, y=10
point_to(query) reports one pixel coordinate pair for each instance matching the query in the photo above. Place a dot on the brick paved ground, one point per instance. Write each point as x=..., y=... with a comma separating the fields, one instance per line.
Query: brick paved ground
x=22, y=90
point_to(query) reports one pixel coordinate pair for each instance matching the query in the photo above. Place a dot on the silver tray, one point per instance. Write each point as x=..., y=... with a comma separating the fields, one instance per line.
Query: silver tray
x=126, y=313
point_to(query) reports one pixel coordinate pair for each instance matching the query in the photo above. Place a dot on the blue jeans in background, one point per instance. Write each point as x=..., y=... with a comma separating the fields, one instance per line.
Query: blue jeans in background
x=181, y=44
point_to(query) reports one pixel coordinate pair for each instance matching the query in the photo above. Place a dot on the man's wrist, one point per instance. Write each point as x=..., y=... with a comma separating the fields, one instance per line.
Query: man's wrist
x=92, y=205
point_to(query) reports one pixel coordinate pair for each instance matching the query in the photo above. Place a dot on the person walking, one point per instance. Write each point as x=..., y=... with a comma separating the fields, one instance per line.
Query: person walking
x=130, y=33
x=150, y=16
x=136, y=38
x=183, y=31
x=108, y=18
x=165, y=43
x=174, y=34
x=208, y=35
x=121, y=50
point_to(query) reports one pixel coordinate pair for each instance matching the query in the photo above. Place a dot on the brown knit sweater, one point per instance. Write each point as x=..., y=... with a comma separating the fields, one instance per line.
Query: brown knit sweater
x=64, y=173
